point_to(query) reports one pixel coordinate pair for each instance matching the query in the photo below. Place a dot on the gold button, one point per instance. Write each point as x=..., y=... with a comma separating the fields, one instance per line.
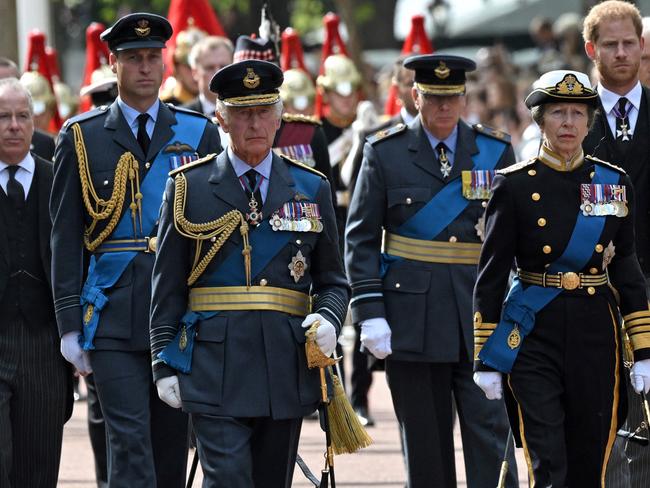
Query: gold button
x=453, y=239
x=483, y=204
x=409, y=201
x=535, y=196
x=532, y=172
x=599, y=248
x=547, y=265
x=591, y=175
x=105, y=182
x=591, y=290
x=547, y=249
x=263, y=282
x=298, y=241
x=541, y=221
x=593, y=270
x=147, y=165
x=213, y=239
x=397, y=285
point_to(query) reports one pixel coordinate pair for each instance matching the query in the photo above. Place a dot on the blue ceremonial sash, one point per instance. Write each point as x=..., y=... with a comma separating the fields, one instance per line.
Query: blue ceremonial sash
x=522, y=305
x=106, y=269
x=265, y=245
x=448, y=203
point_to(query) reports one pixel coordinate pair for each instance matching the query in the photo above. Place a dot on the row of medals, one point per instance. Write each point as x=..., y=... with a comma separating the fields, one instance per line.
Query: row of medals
x=617, y=208
x=254, y=216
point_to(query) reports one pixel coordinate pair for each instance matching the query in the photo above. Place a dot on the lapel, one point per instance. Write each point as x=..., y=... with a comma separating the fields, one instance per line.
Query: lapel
x=465, y=149
x=281, y=187
x=4, y=248
x=226, y=185
x=162, y=132
x=122, y=133
x=423, y=155
x=43, y=184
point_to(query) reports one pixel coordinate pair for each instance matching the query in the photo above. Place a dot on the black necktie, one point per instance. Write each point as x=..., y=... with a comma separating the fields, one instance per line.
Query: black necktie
x=15, y=190
x=254, y=181
x=623, y=129
x=143, y=137
x=445, y=164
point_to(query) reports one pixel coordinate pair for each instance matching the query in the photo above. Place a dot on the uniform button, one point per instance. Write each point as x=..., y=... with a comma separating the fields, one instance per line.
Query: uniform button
x=147, y=165
x=213, y=239
x=599, y=248
x=591, y=175
x=547, y=265
x=535, y=196
x=483, y=204
x=532, y=172
x=409, y=201
x=453, y=239
x=593, y=270
x=397, y=285
x=263, y=282
x=298, y=241
x=591, y=290
x=541, y=221
x=105, y=182
x=547, y=249
x=157, y=222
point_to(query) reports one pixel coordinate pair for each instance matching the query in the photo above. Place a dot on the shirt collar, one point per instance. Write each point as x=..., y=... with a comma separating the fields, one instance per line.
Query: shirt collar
x=555, y=161
x=27, y=164
x=207, y=106
x=406, y=117
x=450, y=141
x=240, y=167
x=131, y=114
x=609, y=99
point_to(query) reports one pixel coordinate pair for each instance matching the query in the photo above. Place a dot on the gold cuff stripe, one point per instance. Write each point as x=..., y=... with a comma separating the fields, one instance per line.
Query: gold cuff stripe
x=204, y=299
x=484, y=326
x=440, y=89
x=635, y=315
x=640, y=341
x=432, y=251
x=636, y=328
x=477, y=351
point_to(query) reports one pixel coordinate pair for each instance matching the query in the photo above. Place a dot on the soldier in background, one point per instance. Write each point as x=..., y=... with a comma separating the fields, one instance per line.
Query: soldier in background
x=43, y=97
x=298, y=92
x=181, y=88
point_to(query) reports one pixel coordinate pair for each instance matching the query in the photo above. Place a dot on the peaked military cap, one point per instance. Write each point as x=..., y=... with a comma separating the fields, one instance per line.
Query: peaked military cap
x=137, y=30
x=248, y=48
x=248, y=83
x=440, y=74
x=561, y=86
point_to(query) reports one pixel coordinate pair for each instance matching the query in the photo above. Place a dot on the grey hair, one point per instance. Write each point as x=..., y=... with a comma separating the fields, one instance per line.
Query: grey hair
x=537, y=113
x=208, y=44
x=15, y=84
x=222, y=109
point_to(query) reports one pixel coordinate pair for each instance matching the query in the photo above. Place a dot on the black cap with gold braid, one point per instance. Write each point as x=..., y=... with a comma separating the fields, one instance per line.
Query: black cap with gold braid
x=440, y=74
x=562, y=86
x=248, y=83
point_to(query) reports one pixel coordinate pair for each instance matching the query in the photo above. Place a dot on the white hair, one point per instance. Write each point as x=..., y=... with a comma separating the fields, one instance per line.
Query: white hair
x=15, y=84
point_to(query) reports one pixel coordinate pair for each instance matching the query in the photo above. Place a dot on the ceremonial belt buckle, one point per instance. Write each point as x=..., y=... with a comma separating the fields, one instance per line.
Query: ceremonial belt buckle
x=570, y=280
x=152, y=245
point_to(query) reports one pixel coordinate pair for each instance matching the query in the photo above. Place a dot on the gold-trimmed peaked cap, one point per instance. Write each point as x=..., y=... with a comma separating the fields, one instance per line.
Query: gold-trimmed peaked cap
x=139, y=30
x=562, y=86
x=439, y=74
x=248, y=83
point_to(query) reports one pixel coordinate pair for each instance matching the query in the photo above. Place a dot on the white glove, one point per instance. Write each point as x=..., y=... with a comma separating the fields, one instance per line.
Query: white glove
x=640, y=376
x=325, y=334
x=375, y=336
x=72, y=352
x=169, y=391
x=491, y=383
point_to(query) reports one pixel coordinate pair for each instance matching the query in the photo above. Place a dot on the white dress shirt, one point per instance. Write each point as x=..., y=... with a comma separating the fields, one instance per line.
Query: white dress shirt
x=131, y=116
x=24, y=175
x=610, y=99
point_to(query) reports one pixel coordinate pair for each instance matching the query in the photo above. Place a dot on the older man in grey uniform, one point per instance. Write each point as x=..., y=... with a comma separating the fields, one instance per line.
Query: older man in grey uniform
x=247, y=249
x=422, y=189
x=110, y=169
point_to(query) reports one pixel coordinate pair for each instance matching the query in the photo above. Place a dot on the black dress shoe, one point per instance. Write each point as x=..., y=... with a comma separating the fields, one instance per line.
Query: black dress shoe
x=364, y=416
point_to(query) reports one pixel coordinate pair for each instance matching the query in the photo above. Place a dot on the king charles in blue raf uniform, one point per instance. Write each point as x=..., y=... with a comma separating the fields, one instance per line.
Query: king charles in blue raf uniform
x=247, y=260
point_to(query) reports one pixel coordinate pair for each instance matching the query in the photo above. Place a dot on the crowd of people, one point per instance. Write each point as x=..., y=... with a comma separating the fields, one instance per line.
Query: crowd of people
x=182, y=244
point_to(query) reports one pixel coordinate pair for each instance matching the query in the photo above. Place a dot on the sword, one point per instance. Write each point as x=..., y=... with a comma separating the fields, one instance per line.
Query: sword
x=504, y=464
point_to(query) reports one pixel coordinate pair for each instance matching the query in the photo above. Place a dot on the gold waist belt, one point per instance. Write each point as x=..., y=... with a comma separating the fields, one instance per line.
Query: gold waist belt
x=432, y=251
x=566, y=281
x=209, y=299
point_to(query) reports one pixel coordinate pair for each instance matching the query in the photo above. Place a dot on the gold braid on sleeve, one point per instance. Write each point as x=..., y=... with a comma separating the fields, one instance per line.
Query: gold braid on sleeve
x=220, y=228
x=98, y=208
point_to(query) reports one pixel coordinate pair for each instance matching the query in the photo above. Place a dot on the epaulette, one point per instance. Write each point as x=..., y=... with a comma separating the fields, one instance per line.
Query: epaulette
x=186, y=111
x=307, y=119
x=386, y=133
x=86, y=116
x=495, y=133
x=516, y=167
x=193, y=164
x=605, y=163
x=298, y=164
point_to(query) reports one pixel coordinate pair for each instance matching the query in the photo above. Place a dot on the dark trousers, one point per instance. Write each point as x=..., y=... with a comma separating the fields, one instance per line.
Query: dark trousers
x=422, y=398
x=147, y=439
x=246, y=452
x=361, y=377
x=97, y=432
x=34, y=388
x=566, y=384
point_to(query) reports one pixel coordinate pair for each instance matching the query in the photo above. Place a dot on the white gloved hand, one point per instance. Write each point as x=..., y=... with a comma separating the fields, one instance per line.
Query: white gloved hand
x=375, y=336
x=491, y=382
x=325, y=334
x=169, y=391
x=72, y=352
x=640, y=376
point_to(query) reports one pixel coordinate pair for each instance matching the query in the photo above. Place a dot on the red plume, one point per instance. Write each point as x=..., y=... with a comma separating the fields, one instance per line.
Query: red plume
x=96, y=55
x=332, y=44
x=53, y=62
x=292, y=54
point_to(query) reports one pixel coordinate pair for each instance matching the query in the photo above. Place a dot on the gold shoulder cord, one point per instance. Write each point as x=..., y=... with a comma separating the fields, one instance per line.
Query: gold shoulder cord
x=127, y=169
x=222, y=227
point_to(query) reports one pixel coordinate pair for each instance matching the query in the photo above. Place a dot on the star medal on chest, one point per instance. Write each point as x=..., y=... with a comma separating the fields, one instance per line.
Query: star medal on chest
x=624, y=133
x=297, y=266
x=602, y=200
